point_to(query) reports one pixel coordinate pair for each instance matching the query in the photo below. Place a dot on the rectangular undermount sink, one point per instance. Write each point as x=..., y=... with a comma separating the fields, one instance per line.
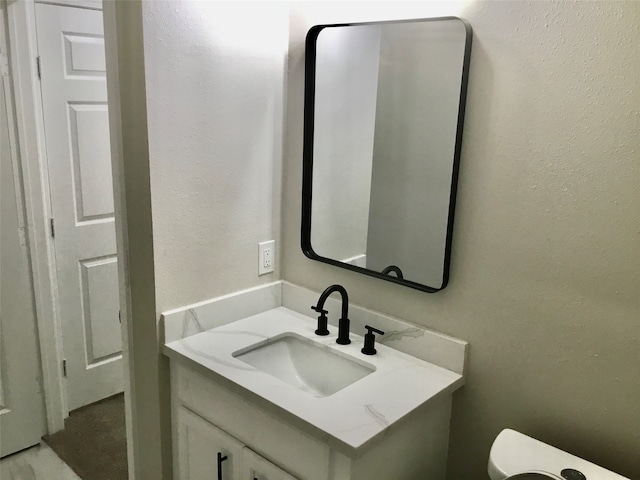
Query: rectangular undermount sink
x=302, y=363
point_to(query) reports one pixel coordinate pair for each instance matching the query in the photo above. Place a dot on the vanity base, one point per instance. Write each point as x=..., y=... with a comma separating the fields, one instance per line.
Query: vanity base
x=212, y=415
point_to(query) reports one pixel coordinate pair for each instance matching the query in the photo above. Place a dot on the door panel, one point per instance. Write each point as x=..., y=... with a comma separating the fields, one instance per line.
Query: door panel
x=85, y=54
x=100, y=300
x=257, y=468
x=93, y=187
x=199, y=444
x=74, y=97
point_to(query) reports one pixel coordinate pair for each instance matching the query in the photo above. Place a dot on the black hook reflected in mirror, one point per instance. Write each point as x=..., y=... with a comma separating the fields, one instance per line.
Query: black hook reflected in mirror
x=393, y=269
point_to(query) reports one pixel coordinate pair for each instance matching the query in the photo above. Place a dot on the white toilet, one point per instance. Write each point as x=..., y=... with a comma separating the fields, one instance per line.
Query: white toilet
x=515, y=456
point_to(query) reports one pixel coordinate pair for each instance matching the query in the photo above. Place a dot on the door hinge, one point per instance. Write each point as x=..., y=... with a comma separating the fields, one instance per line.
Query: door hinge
x=53, y=228
x=64, y=367
x=39, y=65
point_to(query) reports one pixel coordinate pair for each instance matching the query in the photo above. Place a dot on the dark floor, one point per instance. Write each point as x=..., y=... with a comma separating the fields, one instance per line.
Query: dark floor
x=94, y=441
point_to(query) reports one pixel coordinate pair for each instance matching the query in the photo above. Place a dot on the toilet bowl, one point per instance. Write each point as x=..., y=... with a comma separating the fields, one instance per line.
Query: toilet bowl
x=515, y=456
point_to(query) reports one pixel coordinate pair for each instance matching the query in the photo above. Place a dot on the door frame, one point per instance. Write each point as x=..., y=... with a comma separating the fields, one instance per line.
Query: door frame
x=22, y=38
x=33, y=158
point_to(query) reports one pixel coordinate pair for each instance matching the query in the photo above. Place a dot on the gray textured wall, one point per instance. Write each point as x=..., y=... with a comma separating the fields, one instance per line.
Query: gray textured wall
x=546, y=248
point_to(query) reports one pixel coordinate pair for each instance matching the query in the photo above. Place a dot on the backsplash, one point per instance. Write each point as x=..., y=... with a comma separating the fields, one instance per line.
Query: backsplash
x=436, y=348
x=186, y=321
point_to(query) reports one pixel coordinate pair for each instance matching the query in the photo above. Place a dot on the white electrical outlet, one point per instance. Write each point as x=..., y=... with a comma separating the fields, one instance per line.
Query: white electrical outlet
x=266, y=257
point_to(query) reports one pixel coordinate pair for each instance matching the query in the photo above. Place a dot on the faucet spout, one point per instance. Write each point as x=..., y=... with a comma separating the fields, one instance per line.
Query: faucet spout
x=345, y=298
x=343, y=324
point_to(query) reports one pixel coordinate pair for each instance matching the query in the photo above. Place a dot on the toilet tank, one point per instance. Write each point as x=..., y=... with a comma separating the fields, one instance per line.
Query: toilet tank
x=513, y=453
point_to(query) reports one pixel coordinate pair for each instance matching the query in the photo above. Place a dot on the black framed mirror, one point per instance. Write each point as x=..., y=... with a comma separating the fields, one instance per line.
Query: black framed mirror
x=383, y=117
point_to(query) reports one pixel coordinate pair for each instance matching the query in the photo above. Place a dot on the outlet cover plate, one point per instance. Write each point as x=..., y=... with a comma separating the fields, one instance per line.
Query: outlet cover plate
x=266, y=257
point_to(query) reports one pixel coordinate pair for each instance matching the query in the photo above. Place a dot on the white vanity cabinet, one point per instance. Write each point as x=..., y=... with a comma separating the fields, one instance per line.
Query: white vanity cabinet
x=205, y=452
x=209, y=419
x=260, y=442
x=203, y=449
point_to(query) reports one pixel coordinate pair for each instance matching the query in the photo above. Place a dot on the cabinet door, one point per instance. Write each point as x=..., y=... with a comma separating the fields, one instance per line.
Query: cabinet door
x=204, y=451
x=257, y=468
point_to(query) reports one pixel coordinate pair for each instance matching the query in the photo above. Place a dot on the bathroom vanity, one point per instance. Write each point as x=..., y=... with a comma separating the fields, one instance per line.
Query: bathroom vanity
x=265, y=398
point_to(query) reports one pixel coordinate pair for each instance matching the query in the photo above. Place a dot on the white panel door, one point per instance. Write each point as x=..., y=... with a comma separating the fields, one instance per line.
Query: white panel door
x=21, y=405
x=74, y=97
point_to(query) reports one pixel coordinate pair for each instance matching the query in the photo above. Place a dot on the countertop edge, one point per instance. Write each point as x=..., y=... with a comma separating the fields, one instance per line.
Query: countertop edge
x=298, y=422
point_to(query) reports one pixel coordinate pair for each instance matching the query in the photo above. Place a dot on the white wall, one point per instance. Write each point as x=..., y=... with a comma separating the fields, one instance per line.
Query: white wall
x=544, y=275
x=199, y=168
x=214, y=76
x=346, y=88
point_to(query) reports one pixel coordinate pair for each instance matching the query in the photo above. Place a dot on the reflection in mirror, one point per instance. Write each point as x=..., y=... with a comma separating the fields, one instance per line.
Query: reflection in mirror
x=384, y=107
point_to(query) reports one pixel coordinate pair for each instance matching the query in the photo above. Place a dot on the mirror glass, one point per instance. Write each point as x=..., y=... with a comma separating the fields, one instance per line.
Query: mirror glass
x=384, y=107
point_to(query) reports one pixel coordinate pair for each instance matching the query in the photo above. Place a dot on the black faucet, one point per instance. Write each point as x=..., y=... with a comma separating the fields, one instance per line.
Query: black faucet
x=343, y=324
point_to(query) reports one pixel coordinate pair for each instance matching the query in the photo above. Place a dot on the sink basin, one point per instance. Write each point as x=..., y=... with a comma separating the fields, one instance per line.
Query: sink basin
x=302, y=363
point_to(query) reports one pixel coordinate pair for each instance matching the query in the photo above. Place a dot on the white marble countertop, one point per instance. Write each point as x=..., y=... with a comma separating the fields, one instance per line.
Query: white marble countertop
x=352, y=417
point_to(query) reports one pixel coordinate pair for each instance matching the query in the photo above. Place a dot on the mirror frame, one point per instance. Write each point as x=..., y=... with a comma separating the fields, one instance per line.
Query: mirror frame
x=307, y=153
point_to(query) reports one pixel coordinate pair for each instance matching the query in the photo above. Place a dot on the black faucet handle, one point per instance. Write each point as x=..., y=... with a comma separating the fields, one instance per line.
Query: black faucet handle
x=371, y=329
x=322, y=329
x=370, y=340
x=321, y=311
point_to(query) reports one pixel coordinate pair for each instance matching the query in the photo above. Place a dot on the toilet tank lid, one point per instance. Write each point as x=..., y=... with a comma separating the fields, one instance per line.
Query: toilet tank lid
x=513, y=452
